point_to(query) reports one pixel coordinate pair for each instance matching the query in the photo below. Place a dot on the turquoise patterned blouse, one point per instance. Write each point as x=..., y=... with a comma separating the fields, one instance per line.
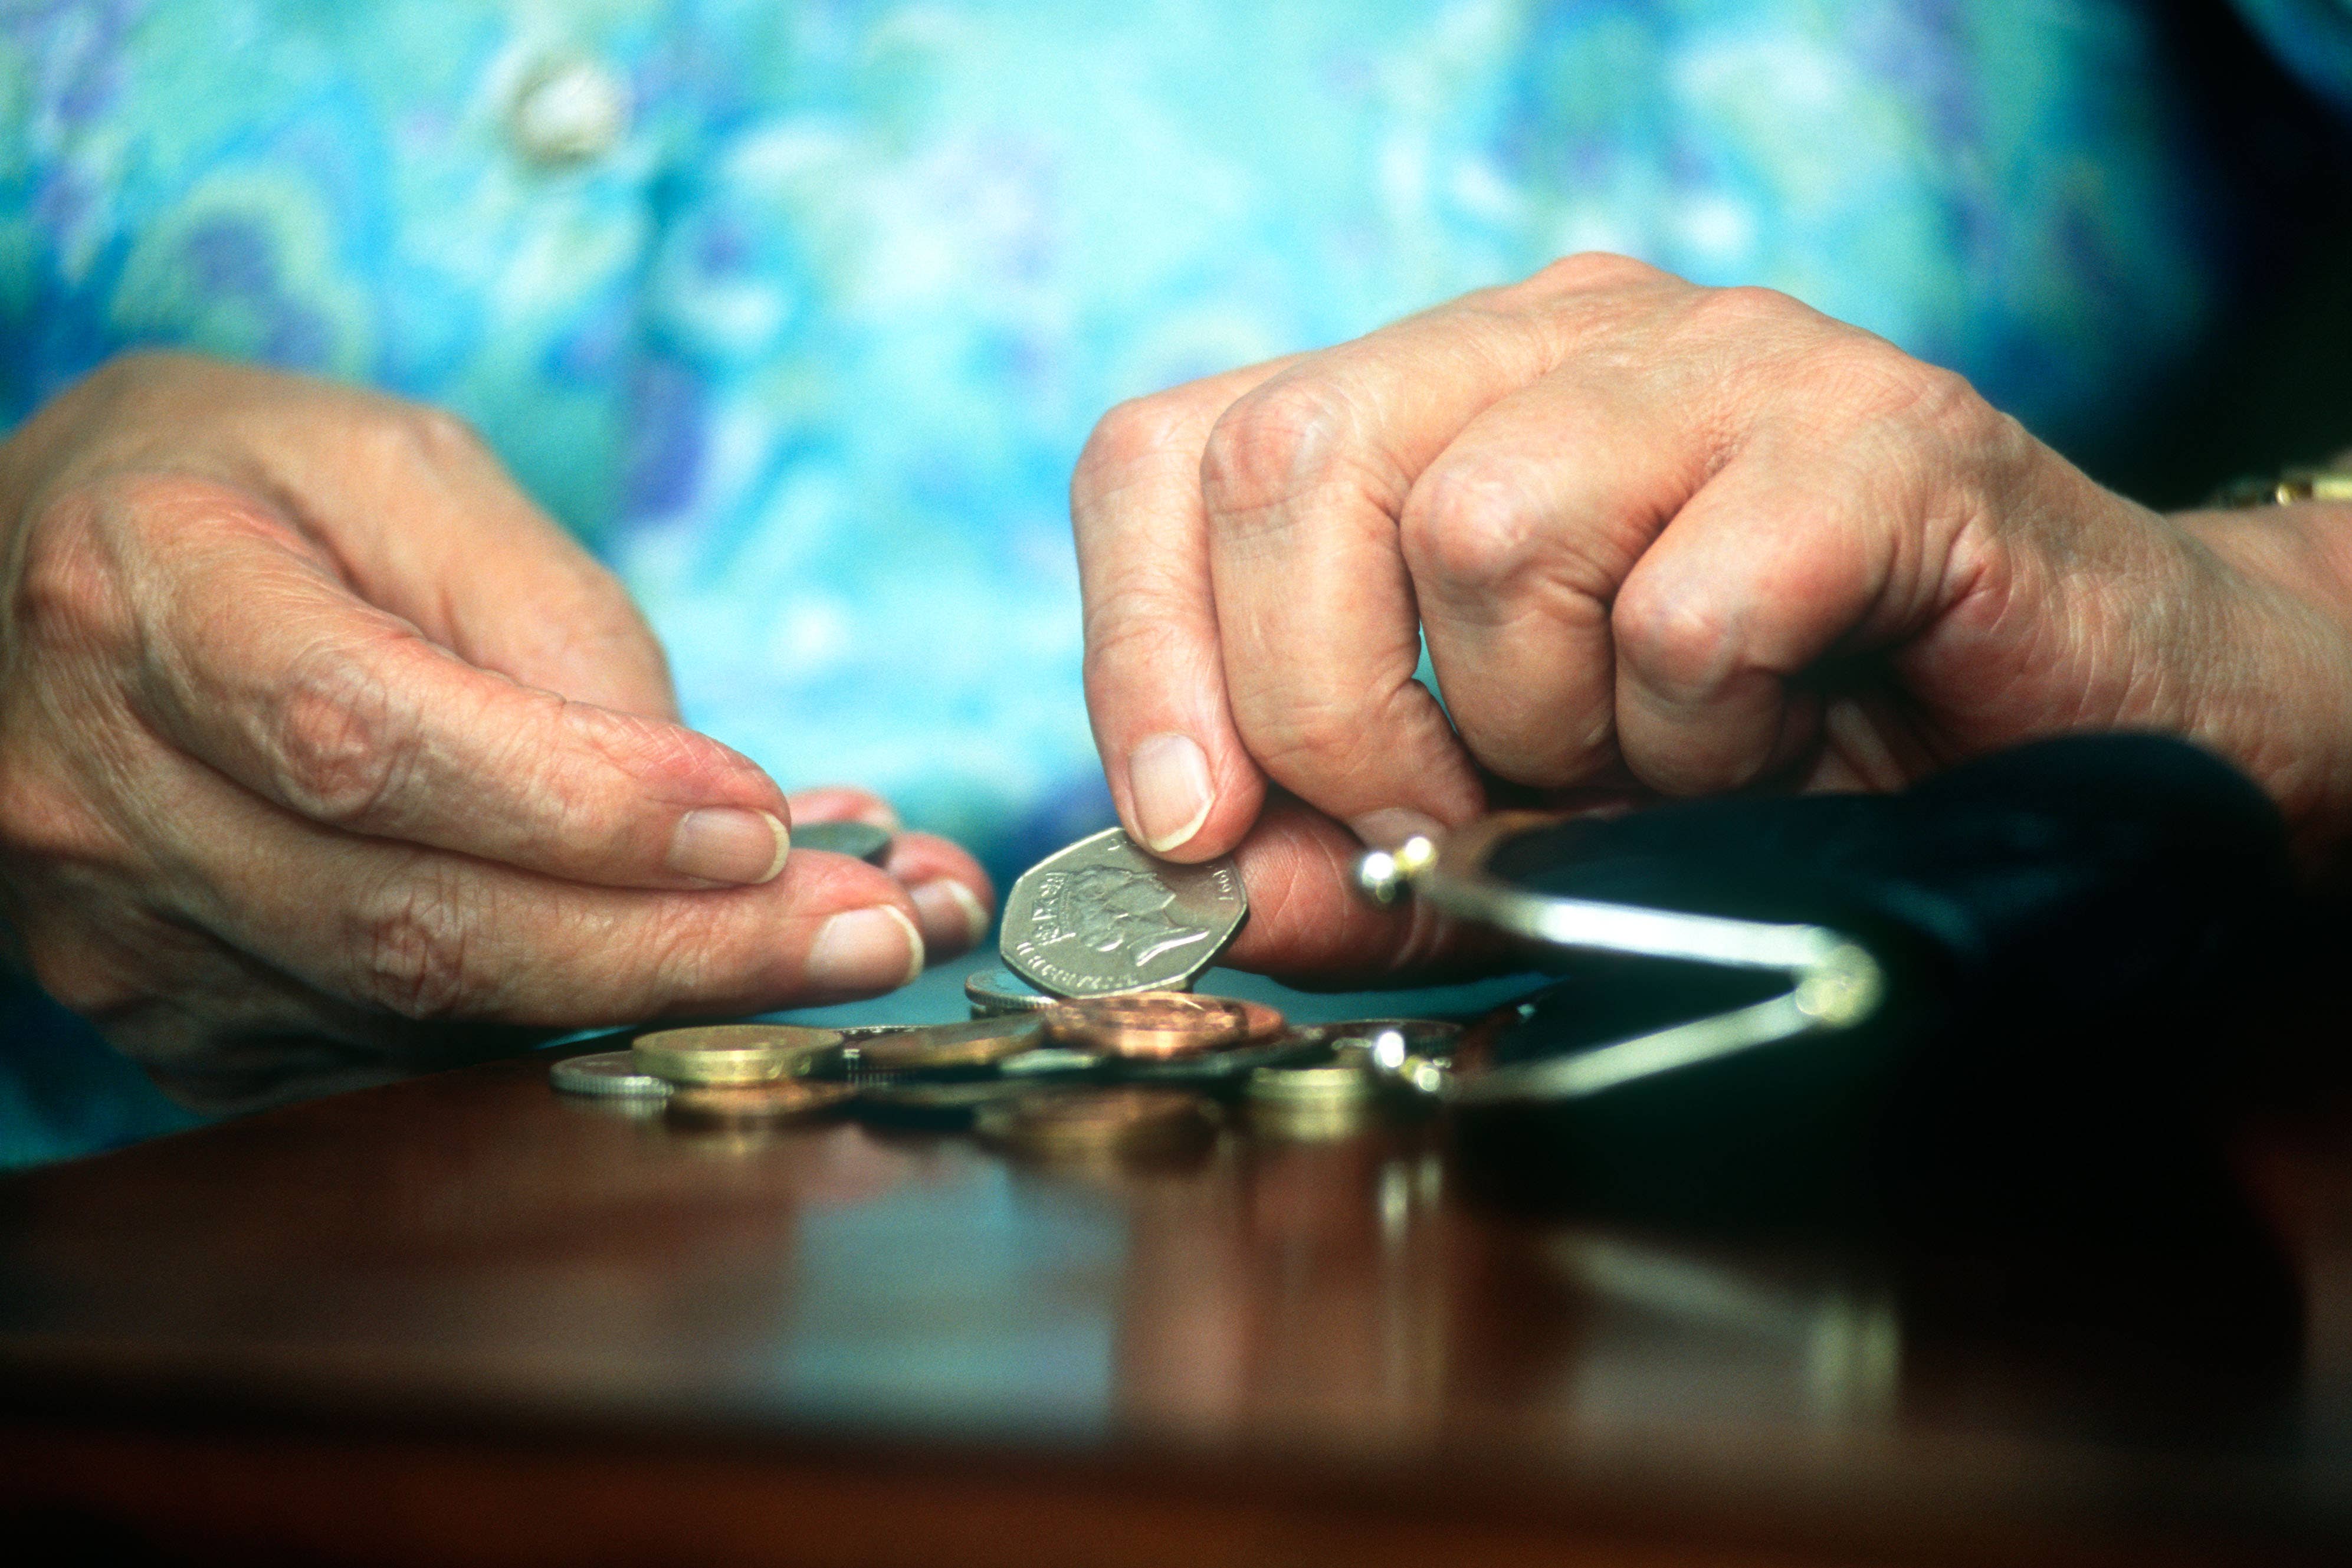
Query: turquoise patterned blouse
x=800, y=312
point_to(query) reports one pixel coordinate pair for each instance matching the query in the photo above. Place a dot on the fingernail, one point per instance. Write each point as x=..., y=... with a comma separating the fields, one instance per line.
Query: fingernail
x=1391, y=826
x=946, y=904
x=1168, y=777
x=725, y=844
x=876, y=949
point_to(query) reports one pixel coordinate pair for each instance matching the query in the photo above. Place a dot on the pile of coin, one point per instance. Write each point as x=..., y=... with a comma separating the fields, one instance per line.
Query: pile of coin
x=1088, y=1043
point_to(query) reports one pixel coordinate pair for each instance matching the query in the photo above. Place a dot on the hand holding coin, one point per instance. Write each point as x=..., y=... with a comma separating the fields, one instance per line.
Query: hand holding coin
x=316, y=727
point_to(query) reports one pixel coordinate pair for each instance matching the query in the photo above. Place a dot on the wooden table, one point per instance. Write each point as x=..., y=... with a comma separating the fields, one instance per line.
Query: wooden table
x=464, y=1318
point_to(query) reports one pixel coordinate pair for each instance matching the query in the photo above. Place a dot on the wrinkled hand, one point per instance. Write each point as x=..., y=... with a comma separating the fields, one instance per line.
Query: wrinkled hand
x=1678, y=538
x=313, y=728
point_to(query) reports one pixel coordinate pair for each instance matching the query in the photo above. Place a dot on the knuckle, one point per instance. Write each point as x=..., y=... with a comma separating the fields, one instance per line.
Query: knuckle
x=601, y=619
x=1679, y=643
x=69, y=589
x=1471, y=525
x=1891, y=385
x=1747, y=310
x=1923, y=422
x=1592, y=270
x=410, y=436
x=1280, y=441
x=411, y=950
x=1132, y=437
x=341, y=746
x=76, y=974
x=1321, y=743
x=1129, y=636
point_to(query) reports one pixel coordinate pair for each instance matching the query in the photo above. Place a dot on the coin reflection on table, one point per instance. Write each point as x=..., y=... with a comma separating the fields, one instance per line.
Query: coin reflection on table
x=776, y=1101
x=940, y=1105
x=1077, y=1123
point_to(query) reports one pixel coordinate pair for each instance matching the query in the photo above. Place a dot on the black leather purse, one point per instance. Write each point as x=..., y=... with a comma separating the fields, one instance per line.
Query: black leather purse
x=2005, y=1008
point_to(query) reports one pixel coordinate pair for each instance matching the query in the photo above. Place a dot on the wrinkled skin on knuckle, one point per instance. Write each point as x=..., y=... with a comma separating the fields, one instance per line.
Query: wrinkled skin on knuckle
x=1749, y=313
x=1130, y=439
x=690, y=961
x=81, y=980
x=1279, y=442
x=409, y=947
x=393, y=436
x=340, y=742
x=1472, y=527
x=1127, y=639
x=1307, y=746
x=69, y=599
x=1594, y=272
x=1677, y=645
x=659, y=756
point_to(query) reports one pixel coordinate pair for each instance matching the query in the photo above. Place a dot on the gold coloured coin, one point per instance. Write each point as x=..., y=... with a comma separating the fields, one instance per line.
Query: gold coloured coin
x=1099, y=1122
x=1156, y=1024
x=729, y=1053
x=1342, y=1082
x=742, y=1104
x=1306, y=1123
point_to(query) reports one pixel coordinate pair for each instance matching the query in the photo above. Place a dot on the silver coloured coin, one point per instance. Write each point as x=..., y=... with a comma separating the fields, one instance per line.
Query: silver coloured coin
x=1103, y=917
x=858, y=840
x=996, y=991
x=608, y=1074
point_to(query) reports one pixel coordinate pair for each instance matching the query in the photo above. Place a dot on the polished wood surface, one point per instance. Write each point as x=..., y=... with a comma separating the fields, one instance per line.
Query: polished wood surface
x=466, y=1319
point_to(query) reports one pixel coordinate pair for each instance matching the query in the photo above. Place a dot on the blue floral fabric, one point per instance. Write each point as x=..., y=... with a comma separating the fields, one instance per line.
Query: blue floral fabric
x=804, y=324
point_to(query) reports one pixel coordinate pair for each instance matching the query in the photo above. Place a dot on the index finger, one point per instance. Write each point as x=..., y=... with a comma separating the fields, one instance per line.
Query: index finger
x=1306, y=479
x=248, y=651
x=1183, y=783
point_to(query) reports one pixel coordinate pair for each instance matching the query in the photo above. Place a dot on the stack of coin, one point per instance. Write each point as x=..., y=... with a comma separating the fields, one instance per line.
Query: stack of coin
x=1326, y=1099
x=1085, y=1123
x=609, y=1075
x=1330, y=1094
x=1390, y=1042
x=996, y=990
x=1158, y=1025
x=735, y=1075
x=936, y=1047
x=731, y=1053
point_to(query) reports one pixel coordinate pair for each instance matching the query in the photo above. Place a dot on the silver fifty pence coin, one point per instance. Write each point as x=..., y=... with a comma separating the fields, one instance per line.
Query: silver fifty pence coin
x=1103, y=917
x=608, y=1074
x=858, y=840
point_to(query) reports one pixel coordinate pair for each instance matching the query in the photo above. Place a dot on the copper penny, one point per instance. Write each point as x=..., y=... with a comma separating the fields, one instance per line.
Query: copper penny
x=1109, y=1120
x=981, y=1042
x=1157, y=1024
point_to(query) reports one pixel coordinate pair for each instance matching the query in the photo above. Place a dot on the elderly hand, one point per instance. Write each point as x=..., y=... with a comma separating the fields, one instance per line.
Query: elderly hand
x=312, y=728
x=1653, y=534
